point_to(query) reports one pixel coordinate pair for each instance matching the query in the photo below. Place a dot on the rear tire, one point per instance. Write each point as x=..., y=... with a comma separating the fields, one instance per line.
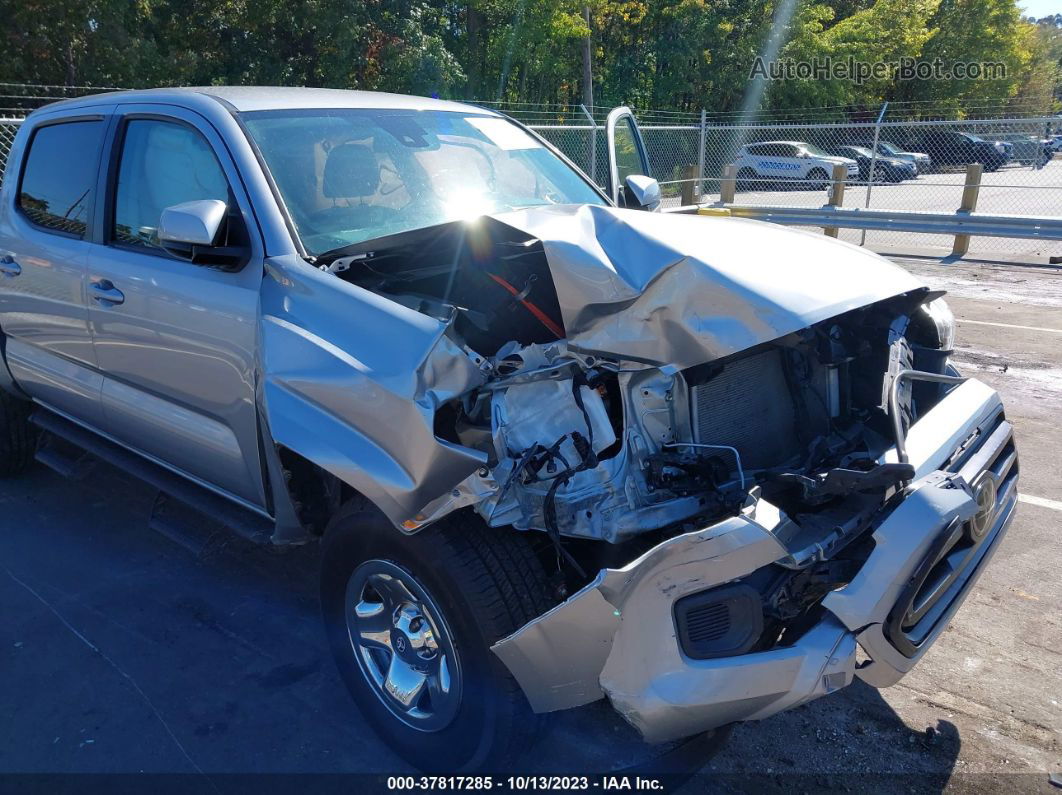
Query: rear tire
x=18, y=438
x=744, y=177
x=470, y=586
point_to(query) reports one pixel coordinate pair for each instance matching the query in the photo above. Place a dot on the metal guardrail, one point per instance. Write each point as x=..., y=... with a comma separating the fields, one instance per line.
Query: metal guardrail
x=957, y=223
x=963, y=224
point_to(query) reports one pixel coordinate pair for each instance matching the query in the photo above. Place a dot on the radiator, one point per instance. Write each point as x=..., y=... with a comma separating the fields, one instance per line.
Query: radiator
x=748, y=406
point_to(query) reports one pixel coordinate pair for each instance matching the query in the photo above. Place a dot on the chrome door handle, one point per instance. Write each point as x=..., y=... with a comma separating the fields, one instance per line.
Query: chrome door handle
x=106, y=293
x=9, y=267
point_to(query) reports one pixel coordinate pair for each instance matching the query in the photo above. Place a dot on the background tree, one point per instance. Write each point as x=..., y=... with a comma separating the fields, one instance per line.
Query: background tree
x=675, y=54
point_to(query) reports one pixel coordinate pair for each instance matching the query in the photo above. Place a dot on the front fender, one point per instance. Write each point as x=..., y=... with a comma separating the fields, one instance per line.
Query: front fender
x=351, y=382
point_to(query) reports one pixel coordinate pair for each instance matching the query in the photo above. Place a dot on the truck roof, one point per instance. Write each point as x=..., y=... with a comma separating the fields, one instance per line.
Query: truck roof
x=251, y=98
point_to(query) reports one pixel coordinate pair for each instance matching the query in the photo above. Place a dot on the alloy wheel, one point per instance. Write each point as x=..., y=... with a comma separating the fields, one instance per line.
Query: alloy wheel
x=403, y=646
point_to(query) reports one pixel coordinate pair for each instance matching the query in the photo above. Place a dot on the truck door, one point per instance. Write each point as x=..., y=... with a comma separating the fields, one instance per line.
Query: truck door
x=46, y=209
x=626, y=154
x=778, y=161
x=176, y=341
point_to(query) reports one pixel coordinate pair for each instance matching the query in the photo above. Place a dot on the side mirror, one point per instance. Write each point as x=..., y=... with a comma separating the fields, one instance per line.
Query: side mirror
x=642, y=193
x=192, y=223
x=190, y=231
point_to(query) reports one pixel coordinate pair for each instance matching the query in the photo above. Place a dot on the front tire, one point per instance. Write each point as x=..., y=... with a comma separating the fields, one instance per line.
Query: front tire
x=18, y=439
x=410, y=621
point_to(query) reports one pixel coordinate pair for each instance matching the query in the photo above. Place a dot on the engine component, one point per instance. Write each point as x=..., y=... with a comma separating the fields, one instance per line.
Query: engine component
x=747, y=404
x=840, y=481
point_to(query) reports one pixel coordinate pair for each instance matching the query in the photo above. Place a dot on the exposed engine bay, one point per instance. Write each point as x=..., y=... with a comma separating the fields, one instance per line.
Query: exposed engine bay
x=587, y=444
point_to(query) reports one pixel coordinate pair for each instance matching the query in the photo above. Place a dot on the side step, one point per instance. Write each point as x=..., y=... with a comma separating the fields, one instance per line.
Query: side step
x=243, y=522
x=62, y=457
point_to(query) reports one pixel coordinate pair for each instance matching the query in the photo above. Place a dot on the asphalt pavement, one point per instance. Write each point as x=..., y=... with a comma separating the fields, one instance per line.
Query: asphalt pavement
x=123, y=652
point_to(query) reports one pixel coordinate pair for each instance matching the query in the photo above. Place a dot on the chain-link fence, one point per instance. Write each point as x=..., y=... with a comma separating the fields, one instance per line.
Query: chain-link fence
x=8, y=128
x=910, y=165
x=904, y=165
x=674, y=140
x=895, y=163
x=18, y=100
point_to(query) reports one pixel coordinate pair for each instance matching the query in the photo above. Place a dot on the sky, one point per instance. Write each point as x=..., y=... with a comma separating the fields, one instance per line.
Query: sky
x=1040, y=8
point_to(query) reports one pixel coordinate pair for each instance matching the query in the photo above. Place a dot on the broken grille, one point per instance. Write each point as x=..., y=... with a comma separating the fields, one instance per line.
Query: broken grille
x=991, y=468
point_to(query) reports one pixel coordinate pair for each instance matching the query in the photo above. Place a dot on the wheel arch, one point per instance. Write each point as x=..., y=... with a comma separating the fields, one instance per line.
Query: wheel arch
x=316, y=494
x=7, y=380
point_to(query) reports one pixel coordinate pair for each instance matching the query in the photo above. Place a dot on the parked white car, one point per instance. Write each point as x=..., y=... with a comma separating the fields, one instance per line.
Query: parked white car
x=790, y=160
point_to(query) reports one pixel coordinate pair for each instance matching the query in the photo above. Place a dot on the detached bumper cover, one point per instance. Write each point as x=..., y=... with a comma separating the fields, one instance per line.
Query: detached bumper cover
x=616, y=637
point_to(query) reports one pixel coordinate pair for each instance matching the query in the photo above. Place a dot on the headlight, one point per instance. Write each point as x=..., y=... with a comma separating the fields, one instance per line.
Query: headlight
x=940, y=313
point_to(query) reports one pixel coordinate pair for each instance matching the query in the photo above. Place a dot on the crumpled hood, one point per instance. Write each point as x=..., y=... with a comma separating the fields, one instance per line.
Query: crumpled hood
x=665, y=288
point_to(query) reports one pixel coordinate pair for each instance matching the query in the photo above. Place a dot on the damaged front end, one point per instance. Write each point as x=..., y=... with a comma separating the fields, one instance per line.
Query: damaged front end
x=739, y=443
x=744, y=618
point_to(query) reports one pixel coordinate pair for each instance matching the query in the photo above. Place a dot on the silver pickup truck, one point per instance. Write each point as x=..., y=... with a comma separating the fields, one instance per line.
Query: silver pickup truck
x=555, y=446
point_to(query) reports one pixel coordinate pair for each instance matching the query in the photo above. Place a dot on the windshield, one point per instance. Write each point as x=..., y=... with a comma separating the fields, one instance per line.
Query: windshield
x=351, y=175
x=811, y=149
x=887, y=148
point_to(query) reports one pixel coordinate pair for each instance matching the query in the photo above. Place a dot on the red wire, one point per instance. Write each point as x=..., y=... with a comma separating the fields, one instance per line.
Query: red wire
x=542, y=317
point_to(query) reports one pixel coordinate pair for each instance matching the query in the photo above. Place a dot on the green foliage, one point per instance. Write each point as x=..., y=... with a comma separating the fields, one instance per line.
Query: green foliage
x=971, y=31
x=884, y=31
x=684, y=54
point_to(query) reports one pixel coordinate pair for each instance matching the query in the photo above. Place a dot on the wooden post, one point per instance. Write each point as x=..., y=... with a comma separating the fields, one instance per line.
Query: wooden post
x=836, y=197
x=728, y=184
x=969, y=204
x=690, y=194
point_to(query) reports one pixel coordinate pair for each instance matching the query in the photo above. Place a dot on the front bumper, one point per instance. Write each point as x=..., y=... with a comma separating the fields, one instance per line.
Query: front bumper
x=617, y=636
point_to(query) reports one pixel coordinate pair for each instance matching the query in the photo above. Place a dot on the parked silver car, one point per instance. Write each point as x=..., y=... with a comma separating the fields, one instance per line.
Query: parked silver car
x=1027, y=149
x=922, y=162
x=555, y=447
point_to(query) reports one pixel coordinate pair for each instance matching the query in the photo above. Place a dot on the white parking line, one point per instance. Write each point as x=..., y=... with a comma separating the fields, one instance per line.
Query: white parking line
x=1009, y=325
x=1054, y=505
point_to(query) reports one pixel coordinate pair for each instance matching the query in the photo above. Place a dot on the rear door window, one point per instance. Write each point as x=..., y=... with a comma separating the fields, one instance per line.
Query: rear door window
x=59, y=176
